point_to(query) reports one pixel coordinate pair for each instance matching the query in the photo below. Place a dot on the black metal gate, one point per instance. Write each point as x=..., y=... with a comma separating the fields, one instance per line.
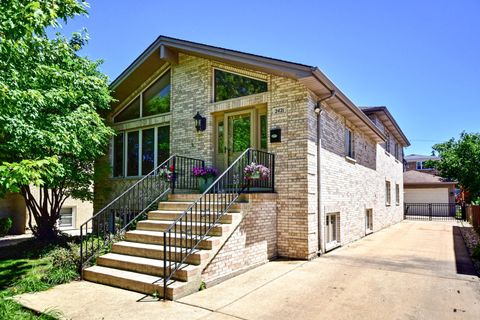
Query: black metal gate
x=432, y=211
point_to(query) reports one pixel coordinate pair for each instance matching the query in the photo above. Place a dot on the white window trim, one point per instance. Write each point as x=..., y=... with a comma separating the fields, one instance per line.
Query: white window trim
x=367, y=229
x=74, y=219
x=335, y=243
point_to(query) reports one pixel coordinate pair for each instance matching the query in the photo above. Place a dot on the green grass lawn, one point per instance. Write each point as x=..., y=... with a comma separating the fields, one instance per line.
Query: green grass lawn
x=33, y=266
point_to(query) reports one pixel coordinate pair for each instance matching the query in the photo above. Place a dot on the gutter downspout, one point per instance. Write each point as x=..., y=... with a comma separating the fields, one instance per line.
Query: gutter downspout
x=318, y=111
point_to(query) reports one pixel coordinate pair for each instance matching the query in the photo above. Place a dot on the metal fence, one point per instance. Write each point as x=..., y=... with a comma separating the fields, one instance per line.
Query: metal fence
x=432, y=211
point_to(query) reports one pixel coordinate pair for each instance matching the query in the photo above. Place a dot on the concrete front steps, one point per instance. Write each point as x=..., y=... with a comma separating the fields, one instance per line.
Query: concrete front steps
x=137, y=262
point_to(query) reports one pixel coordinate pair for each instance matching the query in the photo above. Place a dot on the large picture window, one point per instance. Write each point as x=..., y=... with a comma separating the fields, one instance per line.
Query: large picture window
x=138, y=152
x=229, y=85
x=152, y=101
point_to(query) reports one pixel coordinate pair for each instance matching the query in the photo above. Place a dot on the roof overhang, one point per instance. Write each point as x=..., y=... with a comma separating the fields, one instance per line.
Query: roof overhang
x=386, y=117
x=165, y=50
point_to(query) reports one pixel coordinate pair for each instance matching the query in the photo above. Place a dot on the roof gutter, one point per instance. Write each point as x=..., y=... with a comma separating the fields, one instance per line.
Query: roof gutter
x=320, y=231
x=350, y=105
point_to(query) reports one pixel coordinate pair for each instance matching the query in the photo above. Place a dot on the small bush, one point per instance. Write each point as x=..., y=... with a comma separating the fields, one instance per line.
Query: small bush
x=65, y=264
x=476, y=252
x=5, y=226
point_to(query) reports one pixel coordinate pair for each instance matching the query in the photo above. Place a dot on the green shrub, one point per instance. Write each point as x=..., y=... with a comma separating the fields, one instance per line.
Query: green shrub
x=476, y=252
x=65, y=264
x=5, y=226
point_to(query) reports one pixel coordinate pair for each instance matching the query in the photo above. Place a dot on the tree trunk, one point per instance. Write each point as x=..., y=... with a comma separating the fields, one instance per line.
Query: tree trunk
x=45, y=210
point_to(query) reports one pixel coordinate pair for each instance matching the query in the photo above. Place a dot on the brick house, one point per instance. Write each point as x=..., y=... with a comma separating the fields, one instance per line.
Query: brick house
x=418, y=162
x=334, y=173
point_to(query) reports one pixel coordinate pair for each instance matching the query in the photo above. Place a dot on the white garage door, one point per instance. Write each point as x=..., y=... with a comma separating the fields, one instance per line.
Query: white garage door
x=427, y=195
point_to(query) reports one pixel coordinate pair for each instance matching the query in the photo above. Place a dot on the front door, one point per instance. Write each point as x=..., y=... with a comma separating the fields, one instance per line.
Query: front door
x=235, y=134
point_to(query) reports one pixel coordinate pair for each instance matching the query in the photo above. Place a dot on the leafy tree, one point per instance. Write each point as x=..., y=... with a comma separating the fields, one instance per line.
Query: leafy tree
x=460, y=161
x=50, y=129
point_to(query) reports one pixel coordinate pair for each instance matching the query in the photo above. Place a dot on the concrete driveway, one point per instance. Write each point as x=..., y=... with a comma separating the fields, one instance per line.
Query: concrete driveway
x=412, y=270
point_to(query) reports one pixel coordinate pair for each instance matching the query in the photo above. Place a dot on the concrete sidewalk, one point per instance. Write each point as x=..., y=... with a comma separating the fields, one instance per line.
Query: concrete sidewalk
x=412, y=270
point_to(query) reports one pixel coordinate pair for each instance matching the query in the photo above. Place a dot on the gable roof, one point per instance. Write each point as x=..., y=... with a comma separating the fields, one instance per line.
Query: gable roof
x=389, y=122
x=417, y=178
x=165, y=50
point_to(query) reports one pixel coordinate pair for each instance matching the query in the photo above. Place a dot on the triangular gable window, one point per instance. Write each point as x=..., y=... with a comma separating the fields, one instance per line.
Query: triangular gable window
x=155, y=100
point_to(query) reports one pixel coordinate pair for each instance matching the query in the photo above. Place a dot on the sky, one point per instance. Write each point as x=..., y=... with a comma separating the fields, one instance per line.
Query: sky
x=421, y=59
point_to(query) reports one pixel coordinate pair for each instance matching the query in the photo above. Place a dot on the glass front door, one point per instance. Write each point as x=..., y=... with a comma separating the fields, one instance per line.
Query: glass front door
x=238, y=131
x=239, y=135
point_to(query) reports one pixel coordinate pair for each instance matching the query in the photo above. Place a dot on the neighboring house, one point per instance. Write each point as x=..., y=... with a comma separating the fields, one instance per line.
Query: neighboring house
x=72, y=215
x=338, y=170
x=419, y=163
x=421, y=187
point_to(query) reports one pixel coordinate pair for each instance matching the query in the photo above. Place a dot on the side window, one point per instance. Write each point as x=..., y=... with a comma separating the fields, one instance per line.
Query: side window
x=349, y=143
x=397, y=194
x=388, y=193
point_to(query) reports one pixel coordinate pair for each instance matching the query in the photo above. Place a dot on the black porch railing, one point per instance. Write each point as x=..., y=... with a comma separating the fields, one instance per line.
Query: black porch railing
x=116, y=217
x=195, y=223
x=432, y=211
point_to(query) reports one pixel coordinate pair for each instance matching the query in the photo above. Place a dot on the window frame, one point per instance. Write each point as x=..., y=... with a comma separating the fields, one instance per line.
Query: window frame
x=140, y=96
x=368, y=221
x=388, y=193
x=397, y=194
x=237, y=73
x=140, y=150
x=387, y=142
x=329, y=245
x=74, y=215
x=349, y=141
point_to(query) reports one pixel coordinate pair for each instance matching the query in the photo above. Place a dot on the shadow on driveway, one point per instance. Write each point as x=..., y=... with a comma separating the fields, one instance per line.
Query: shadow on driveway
x=463, y=263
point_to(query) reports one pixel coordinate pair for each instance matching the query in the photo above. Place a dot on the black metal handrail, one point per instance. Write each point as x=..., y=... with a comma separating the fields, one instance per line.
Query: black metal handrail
x=195, y=223
x=99, y=231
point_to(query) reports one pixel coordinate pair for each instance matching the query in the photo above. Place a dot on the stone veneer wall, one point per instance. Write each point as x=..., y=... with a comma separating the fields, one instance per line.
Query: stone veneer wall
x=254, y=241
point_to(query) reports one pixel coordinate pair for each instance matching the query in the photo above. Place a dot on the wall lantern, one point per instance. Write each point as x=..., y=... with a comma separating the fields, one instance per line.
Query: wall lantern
x=200, y=122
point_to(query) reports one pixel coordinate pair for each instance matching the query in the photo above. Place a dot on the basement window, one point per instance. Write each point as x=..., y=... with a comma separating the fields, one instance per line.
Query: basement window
x=229, y=85
x=66, y=220
x=368, y=221
x=332, y=230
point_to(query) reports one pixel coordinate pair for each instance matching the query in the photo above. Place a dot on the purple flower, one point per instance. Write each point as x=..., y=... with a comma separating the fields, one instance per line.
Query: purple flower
x=205, y=172
x=256, y=171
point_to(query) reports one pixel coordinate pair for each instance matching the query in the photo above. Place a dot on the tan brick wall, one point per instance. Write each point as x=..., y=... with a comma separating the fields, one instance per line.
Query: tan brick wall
x=252, y=243
x=352, y=187
x=347, y=187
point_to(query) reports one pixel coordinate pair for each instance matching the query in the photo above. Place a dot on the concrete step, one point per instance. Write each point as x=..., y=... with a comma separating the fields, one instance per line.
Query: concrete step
x=154, y=251
x=198, y=228
x=172, y=215
x=134, y=281
x=148, y=266
x=156, y=237
x=194, y=196
x=184, y=205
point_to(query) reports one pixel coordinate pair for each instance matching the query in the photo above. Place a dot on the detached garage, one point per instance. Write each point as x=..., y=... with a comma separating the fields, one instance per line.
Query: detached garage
x=422, y=187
